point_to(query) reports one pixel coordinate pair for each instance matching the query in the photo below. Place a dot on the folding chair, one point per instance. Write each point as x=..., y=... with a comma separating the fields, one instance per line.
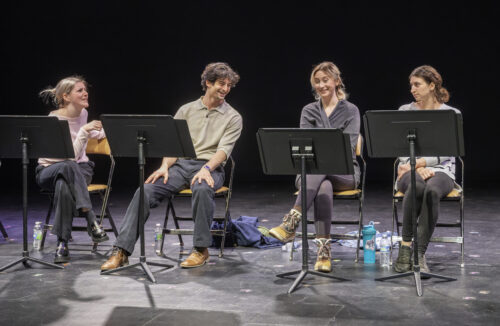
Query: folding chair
x=357, y=194
x=224, y=192
x=456, y=195
x=94, y=147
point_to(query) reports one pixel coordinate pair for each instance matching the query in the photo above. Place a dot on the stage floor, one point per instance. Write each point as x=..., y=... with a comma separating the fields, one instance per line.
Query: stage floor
x=241, y=288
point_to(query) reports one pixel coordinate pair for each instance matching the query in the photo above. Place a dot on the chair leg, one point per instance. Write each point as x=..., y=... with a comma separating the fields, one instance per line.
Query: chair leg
x=223, y=241
x=359, y=229
x=4, y=232
x=176, y=223
x=111, y=222
x=462, y=231
x=169, y=203
x=394, y=222
x=46, y=225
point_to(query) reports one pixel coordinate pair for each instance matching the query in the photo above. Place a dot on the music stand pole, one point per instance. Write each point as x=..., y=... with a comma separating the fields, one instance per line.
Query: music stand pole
x=416, y=267
x=25, y=255
x=142, y=259
x=305, y=246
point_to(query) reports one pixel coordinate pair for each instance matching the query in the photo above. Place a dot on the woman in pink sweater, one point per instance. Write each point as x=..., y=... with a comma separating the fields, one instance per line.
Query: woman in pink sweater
x=69, y=178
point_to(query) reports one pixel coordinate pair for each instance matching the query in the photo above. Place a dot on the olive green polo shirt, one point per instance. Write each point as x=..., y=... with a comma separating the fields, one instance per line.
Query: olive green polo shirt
x=217, y=129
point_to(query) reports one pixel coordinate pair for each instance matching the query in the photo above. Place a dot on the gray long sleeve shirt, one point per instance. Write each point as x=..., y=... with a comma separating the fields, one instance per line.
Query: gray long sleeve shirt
x=345, y=116
x=445, y=164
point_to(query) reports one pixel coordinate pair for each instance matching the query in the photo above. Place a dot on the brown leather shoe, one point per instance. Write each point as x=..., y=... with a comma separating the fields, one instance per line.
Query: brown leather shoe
x=118, y=258
x=197, y=258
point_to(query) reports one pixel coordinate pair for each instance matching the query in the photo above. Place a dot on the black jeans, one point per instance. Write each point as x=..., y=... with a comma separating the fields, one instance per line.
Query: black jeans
x=428, y=193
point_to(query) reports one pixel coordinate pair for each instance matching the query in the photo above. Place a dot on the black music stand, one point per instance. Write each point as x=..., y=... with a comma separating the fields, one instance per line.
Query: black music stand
x=305, y=151
x=144, y=136
x=414, y=133
x=27, y=137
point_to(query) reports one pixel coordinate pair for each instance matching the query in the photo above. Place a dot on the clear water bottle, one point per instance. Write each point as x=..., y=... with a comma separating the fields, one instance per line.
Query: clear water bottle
x=158, y=237
x=37, y=235
x=385, y=249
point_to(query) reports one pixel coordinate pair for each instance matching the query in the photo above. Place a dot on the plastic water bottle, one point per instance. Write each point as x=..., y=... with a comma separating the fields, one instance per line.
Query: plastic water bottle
x=369, y=233
x=385, y=250
x=158, y=237
x=37, y=235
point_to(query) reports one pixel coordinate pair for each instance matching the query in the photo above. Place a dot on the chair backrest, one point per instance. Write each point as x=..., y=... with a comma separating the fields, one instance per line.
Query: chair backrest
x=229, y=172
x=98, y=146
x=359, y=146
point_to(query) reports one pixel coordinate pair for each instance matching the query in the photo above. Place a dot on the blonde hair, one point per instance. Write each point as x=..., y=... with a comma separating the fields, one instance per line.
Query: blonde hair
x=64, y=86
x=333, y=71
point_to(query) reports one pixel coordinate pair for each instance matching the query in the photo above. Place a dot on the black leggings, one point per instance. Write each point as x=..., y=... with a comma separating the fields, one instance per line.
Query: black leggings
x=429, y=193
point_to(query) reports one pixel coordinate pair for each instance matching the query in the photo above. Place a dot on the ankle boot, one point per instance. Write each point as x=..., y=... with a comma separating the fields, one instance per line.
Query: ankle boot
x=324, y=259
x=422, y=262
x=403, y=263
x=97, y=233
x=285, y=232
x=62, y=252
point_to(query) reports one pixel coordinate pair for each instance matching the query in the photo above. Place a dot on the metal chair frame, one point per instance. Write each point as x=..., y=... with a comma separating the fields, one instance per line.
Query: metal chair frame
x=456, y=195
x=223, y=192
x=102, y=190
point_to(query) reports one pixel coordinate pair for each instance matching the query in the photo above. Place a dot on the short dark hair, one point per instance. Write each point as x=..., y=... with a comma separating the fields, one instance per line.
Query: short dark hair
x=218, y=70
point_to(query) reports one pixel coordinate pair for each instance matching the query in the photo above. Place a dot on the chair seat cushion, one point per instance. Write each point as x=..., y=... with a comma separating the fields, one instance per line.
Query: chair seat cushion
x=341, y=193
x=96, y=187
x=347, y=192
x=188, y=192
x=455, y=193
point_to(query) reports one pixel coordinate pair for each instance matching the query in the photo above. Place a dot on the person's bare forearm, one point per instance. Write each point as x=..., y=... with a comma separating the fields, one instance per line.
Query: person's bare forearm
x=216, y=160
x=168, y=162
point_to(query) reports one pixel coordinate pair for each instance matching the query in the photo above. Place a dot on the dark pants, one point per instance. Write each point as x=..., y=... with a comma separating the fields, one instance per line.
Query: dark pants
x=68, y=180
x=320, y=190
x=179, y=177
x=428, y=193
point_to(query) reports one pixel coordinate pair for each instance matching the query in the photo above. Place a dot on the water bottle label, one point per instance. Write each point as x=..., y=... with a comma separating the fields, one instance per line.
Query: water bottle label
x=158, y=236
x=370, y=245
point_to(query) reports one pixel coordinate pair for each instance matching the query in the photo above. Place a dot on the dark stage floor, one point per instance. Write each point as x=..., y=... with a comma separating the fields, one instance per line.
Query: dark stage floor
x=241, y=288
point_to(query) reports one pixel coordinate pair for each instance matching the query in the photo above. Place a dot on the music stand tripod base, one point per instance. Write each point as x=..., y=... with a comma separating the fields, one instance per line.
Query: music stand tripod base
x=384, y=130
x=144, y=136
x=288, y=151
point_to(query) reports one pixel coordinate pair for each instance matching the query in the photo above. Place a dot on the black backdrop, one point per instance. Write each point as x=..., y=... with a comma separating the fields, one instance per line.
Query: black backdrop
x=147, y=57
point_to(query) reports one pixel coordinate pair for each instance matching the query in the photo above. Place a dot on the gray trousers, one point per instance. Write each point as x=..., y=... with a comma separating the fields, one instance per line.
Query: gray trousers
x=179, y=177
x=320, y=190
x=68, y=180
x=429, y=193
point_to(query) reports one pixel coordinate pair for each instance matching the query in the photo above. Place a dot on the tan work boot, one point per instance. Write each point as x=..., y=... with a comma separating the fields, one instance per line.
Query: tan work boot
x=324, y=260
x=197, y=258
x=118, y=258
x=285, y=232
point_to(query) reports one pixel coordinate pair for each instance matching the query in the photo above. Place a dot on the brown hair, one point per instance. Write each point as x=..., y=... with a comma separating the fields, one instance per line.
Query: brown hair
x=333, y=71
x=64, y=86
x=218, y=70
x=431, y=75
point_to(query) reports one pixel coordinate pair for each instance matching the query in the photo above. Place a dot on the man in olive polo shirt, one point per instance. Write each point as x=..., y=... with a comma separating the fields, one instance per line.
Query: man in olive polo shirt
x=214, y=127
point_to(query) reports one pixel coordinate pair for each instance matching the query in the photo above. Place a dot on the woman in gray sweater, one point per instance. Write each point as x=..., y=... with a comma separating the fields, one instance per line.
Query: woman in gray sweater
x=435, y=176
x=331, y=110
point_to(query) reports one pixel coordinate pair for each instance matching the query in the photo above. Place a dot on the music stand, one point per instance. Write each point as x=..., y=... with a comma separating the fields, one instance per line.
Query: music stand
x=304, y=151
x=144, y=136
x=414, y=133
x=27, y=137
